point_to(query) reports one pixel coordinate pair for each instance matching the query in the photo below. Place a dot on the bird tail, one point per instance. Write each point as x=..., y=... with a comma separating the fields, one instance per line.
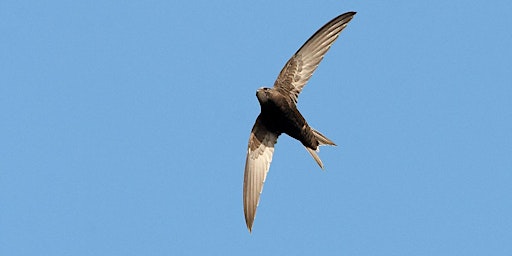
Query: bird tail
x=322, y=140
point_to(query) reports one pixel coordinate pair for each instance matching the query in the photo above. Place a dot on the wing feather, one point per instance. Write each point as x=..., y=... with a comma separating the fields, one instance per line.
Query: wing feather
x=297, y=71
x=259, y=156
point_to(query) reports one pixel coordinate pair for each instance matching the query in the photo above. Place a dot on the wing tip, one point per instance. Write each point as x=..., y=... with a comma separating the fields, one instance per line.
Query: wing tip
x=350, y=13
x=249, y=222
x=346, y=17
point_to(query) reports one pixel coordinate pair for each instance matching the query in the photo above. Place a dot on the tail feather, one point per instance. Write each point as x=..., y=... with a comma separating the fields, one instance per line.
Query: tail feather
x=322, y=140
x=315, y=156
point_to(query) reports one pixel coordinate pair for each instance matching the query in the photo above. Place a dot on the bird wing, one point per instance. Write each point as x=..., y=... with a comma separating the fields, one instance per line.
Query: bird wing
x=259, y=156
x=297, y=71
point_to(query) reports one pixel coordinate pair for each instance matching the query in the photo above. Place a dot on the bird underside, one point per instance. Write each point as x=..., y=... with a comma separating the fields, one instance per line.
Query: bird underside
x=279, y=113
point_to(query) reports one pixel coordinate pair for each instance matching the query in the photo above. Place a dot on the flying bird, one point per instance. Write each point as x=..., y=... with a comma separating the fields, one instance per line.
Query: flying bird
x=279, y=113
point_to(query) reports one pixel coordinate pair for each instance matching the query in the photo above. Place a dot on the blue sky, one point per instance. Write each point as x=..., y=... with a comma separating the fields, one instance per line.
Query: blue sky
x=125, y=126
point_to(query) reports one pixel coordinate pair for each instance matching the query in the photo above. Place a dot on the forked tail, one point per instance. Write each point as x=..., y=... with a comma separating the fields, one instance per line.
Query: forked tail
x=322, y=140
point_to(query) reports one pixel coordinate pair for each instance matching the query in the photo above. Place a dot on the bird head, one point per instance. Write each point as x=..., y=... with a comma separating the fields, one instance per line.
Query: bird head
x=263, y=95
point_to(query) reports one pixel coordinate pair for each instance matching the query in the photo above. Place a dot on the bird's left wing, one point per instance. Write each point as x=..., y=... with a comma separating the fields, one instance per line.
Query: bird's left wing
x=297, y=71
x=259, y=156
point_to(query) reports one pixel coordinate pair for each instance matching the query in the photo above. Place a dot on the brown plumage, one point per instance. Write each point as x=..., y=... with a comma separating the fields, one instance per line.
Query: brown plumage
x=279, y=113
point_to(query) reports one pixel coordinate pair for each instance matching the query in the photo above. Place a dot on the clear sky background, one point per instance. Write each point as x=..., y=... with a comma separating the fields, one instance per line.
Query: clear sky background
x=124, y=128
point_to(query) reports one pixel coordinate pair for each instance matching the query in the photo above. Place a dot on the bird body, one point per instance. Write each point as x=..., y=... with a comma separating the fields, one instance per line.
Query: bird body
x=279, y=113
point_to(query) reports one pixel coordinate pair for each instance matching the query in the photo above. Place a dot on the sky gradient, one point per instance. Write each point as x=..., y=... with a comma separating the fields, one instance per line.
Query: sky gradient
x=125, y=128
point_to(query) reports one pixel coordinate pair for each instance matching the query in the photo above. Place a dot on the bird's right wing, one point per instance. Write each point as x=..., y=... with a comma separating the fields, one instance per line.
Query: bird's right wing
x=297, y=71
x=259, y=156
